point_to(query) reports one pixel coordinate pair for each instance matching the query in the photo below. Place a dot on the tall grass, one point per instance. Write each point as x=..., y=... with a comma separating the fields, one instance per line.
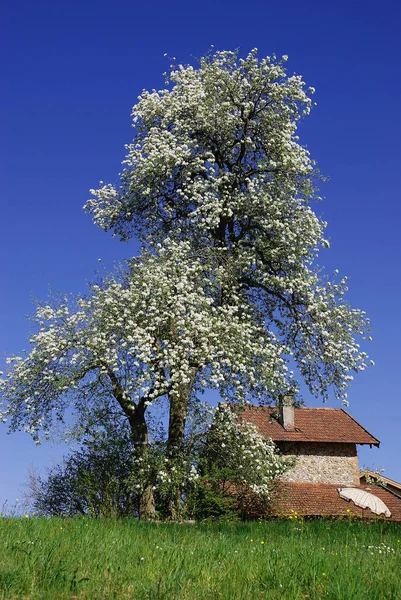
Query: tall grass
x=104, y=559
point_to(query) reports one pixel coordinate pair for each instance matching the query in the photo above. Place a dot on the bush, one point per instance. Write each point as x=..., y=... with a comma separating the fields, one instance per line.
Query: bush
x=92, y=481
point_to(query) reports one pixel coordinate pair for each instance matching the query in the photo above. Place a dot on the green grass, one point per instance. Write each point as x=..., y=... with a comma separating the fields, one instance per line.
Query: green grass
x=103, y=559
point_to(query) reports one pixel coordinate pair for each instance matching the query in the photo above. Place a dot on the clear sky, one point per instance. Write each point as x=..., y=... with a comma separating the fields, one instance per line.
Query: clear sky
x=69, y=77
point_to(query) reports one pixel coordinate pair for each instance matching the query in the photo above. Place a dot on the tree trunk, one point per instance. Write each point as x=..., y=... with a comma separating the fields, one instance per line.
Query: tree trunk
x=176, y=426
x=179, y=405
x=140, y=438
x=147, y=508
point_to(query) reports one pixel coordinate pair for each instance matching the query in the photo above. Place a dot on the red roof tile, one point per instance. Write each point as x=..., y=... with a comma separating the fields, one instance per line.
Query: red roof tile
x=321, y=499
x=310, y=425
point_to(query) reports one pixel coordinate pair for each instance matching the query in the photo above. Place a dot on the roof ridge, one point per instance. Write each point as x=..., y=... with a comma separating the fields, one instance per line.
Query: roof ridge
x=273, y=407
x=316, y=408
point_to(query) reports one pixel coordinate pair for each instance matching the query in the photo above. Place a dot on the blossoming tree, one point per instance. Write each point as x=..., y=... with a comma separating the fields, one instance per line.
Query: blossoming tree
x=237, y=464
x=227, y=292
x=216, y=161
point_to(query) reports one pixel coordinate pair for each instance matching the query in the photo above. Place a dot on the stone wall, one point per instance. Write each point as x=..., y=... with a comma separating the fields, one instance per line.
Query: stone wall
x=322, y=463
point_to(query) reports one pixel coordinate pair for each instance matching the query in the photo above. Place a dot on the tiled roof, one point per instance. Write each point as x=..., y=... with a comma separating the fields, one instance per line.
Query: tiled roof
x=310, y=425
x=322, y=499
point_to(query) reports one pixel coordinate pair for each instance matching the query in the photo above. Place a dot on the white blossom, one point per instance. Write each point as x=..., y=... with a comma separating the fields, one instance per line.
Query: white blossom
x=216, y=161
x=157, y=327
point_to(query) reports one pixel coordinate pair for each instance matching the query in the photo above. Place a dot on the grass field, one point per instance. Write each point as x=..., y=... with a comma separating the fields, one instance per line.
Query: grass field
x=104, y=559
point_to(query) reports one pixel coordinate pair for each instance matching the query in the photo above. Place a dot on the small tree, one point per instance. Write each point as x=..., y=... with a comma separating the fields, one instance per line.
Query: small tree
x=237, y=466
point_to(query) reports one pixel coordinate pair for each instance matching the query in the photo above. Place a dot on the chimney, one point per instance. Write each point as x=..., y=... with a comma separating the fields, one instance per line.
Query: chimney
x=286, y=411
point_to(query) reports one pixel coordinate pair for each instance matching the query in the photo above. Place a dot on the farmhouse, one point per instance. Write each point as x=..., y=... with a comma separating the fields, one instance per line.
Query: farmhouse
x=323, y=442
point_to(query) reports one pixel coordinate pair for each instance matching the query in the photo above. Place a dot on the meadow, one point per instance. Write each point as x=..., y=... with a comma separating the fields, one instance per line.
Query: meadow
x=99, y=559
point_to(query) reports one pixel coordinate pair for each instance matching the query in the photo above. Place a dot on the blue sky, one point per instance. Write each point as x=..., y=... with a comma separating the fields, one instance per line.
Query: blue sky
x=70, y=75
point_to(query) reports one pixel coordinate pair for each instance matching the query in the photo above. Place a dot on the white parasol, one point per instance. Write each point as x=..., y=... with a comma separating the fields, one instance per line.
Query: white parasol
x=364, y=500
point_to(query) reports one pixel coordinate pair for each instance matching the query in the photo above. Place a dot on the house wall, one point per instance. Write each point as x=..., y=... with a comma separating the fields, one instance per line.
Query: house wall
x=322, y=463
